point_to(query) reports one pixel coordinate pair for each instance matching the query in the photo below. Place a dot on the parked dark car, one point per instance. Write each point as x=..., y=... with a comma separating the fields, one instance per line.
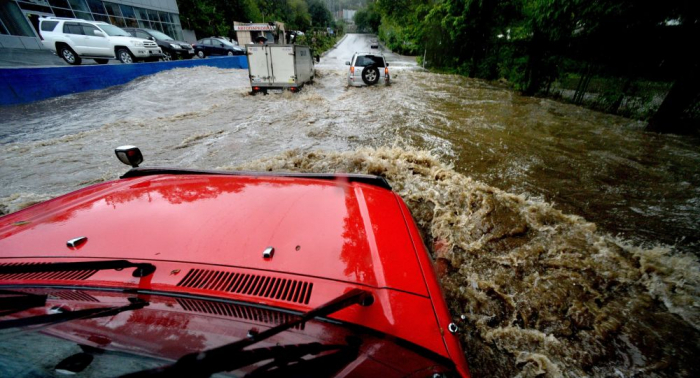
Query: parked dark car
x=172, y=49
x=216, y=46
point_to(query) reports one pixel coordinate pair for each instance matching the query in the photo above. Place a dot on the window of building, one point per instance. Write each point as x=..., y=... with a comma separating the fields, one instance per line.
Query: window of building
x=170, y=30
x=164, y=17
x=145, y=24
x=152, y=15
x=113, y=9
x=34, y=7
x=63, y=13
x=118, y=21
x=59, y=3
x=78, y=5
x=84, y=15
x=96, y=6
x=140, y=13
x=127, y=11
x=131, y=23
x=13, y=20
x=101, y=17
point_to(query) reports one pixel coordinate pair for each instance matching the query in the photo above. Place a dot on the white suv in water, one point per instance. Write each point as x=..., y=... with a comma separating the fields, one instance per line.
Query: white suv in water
x=367, y=69
x=75, y=39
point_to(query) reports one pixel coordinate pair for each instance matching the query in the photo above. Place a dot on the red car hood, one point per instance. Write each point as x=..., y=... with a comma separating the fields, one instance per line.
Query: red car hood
x=338, y=230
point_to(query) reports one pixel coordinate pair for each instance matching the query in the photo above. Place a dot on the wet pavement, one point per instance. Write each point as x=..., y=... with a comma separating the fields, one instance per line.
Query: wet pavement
x=567, y=237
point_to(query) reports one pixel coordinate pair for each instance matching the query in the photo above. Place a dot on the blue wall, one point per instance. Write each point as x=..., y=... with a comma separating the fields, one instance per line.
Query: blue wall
x=24, y=85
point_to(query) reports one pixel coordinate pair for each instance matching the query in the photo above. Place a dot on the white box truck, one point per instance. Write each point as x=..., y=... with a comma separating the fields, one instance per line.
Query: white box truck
x=274, y=68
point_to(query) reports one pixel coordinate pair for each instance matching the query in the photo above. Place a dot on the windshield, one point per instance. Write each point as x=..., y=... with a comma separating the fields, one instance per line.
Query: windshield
x=114, y=31
x=225, y=42
x=158, y=332
x=366, y=60
x=158, y=35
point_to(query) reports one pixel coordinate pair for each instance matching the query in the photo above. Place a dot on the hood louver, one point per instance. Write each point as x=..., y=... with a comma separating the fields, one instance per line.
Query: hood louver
x=237, y=311
x=73, y=295
x=64, y=275
x=249, y=284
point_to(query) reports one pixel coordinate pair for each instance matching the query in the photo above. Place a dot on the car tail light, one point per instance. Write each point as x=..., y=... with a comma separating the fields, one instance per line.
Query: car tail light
x=352, y=69
x=256, y=88
x=293, y=89
x=386, y=71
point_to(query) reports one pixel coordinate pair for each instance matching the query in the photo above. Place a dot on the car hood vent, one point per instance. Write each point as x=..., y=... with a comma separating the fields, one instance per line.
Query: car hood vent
x=73, y=295
x=61, y=275
x=255, y=314
x=249, y=284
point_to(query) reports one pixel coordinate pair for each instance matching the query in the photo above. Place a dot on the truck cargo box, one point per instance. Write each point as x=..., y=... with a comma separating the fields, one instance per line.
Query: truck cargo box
x=279, y=67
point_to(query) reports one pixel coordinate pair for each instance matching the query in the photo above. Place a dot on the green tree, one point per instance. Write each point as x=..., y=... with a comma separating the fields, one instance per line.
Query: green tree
x=320, y=15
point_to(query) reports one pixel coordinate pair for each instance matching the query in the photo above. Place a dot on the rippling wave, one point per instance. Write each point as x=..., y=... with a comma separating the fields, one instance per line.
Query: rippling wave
x=541, y=293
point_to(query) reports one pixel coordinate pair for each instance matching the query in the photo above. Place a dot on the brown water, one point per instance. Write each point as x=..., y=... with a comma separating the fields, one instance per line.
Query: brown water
x=567, y=238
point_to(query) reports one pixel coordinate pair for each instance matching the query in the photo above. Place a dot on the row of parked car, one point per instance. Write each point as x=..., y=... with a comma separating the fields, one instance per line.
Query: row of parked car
x=77, y=39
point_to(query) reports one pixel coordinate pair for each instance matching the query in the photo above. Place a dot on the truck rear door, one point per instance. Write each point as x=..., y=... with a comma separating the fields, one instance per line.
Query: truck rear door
x=283, y=72
x=259, y=65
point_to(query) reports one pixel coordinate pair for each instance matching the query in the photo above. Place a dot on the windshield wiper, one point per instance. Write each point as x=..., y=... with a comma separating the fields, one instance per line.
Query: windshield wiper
x=15, y=301
x=289, y=362
x=142, y=269
x=60, y=317
x=226, y=357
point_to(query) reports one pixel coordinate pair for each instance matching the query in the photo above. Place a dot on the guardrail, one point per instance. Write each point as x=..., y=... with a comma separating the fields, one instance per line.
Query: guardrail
x=25, y=85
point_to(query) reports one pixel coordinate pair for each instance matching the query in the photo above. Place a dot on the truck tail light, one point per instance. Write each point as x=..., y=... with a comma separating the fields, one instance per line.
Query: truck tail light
x=386, y=71
x=352, y=70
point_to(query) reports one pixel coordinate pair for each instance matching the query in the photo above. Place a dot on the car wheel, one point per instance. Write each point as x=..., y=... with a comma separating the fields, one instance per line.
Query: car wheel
x=370, y=75
x=201, y=54
x=69, y=55
x=167, y=56
x=230, y=53
x=125, y=56
x=102, y=61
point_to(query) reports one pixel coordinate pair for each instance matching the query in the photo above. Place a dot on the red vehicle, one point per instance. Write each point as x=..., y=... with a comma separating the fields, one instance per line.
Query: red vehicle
x=169, y=272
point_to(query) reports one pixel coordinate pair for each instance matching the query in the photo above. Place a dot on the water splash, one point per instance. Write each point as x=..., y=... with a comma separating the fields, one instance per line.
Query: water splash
x=543, y=293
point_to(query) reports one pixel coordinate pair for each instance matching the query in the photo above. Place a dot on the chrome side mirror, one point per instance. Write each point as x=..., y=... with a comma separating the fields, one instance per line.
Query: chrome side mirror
x=129, y=155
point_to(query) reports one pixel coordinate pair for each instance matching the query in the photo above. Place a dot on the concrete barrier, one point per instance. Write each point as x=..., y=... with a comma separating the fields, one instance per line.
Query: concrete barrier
x=25, y=85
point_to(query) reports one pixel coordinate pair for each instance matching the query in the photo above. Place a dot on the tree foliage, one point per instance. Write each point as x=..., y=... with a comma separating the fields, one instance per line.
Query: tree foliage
x=533, y=43
x=216, y=17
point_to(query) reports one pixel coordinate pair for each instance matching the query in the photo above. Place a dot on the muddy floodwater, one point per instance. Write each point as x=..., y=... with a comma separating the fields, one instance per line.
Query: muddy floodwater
x=567, y=240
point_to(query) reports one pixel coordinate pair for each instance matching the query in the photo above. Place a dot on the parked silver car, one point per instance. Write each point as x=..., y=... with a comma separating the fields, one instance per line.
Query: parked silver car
x=367, y=69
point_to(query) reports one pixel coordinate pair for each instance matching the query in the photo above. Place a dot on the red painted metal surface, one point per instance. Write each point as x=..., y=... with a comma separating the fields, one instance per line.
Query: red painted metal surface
x=328, y=237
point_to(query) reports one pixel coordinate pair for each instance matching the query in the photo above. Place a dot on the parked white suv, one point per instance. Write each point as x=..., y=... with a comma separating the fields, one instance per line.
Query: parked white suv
x=75, y=39
x=367, y=69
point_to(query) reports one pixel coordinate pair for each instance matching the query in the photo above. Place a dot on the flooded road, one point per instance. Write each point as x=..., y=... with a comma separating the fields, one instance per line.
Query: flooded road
x=567, y=238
